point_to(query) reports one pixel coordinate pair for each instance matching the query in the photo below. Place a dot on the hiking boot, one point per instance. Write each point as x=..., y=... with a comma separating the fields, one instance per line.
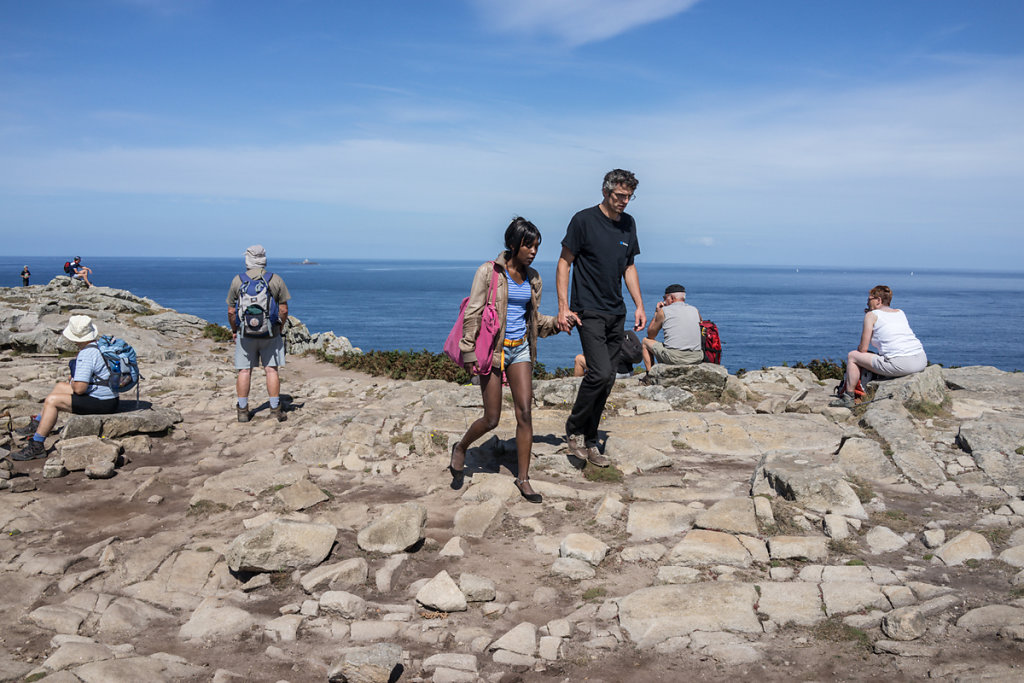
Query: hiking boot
x=576, y=445
x=32, y=451
x=847, y=400
x=29, y=429
x=647, y=380
x=243, y=413
x=278, y=413
x=595, y=458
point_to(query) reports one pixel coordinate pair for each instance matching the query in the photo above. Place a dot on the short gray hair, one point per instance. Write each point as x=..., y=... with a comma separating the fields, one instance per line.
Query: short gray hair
x=613, y=179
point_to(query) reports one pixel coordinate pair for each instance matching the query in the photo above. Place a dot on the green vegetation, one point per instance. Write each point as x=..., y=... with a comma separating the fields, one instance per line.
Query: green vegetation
x=845, y=546
x=418, y=365
x=217, y=333
x=835, y=630
x=602, y=474
x=923, y=410
x=1019, y=450
x=825, y=369
x=594, y=593
x=862, y=489
x=855, y=562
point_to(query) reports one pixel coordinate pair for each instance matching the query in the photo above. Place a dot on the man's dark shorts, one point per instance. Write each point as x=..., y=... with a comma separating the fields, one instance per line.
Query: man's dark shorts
x=83, y=404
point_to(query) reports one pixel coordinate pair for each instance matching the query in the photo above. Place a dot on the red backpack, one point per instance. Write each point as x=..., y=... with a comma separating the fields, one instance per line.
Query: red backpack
x=710, y=342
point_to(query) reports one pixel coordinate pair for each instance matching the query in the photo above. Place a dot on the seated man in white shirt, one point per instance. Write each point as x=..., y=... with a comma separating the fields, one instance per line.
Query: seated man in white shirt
x=681, y=323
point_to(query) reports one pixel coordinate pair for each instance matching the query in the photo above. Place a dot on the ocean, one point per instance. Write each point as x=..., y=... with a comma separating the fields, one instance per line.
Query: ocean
x=765, y=315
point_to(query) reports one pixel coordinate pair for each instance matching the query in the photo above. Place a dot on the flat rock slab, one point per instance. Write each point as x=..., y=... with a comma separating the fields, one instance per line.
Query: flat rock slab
x=813, y=548
x=734, y=515
x=153, y=420
x=700, y=547
x=658, y=520
x=910, y=453
x=844, y=597
x=791, y=603
x=652, y=615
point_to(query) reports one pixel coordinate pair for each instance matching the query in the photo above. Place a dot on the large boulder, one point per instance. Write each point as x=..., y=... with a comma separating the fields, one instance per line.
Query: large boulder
x=706, y=378
x=281, y=545
x=925, y=386
x=400, y=527
x=804, y=480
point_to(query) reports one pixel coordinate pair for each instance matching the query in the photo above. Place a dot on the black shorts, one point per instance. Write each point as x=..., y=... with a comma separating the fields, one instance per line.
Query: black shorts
x=83, y=404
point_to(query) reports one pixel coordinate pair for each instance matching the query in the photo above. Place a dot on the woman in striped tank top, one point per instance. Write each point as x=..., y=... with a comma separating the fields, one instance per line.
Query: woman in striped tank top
x=517, y=301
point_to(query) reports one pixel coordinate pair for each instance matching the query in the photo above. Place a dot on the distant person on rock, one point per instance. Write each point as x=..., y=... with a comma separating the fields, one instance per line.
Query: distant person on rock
x=899, y=351
x=86, y=394
x=681, y=324
x=257, y=313
x=80, y=272
x=599, y=246
x=25, y=275
x=517, y=301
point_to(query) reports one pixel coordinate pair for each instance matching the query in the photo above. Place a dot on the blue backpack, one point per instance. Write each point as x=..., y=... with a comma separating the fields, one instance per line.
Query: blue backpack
x=257, y=311
x=122, y=362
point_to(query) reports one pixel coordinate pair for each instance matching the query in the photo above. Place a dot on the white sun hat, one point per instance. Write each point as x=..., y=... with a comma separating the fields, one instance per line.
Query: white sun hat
x=81, y=329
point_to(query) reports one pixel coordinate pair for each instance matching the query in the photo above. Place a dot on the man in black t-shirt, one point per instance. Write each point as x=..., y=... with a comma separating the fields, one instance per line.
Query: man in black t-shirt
x=599, y=246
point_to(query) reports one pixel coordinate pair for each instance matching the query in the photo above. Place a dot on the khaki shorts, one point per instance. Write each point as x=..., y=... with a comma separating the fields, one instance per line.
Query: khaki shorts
x=251, y=352
x=664, y=354
x=900, y=365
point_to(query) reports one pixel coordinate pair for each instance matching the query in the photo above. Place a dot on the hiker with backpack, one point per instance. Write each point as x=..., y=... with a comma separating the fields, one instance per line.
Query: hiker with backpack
x=504, y=307
x=88, y=392
x=899, y=350
x=681, y=323
x=257, y=313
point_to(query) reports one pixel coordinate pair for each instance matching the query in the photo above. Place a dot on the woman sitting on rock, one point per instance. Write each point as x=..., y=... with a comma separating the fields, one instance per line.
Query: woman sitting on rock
x=86, y=394
x=517, y=300
x=899, y=351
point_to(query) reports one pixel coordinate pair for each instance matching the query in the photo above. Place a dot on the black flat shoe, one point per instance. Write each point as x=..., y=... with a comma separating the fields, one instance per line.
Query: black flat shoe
x=458, y=476
x=530, y=497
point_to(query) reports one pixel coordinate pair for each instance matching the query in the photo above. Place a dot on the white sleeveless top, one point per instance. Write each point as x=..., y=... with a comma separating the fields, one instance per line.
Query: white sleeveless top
x=892, y=335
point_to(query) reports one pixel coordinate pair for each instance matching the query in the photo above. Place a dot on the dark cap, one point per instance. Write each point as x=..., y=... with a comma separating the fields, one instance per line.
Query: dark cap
x=675, y=289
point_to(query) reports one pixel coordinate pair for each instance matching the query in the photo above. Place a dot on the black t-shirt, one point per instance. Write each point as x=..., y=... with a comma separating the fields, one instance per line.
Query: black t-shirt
x=602, y=250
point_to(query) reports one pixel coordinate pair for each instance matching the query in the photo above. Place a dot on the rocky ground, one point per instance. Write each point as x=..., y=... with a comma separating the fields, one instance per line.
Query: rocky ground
x=747, y=530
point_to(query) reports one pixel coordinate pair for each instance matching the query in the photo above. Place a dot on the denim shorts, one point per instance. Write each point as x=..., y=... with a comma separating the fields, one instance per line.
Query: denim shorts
x=517, y=354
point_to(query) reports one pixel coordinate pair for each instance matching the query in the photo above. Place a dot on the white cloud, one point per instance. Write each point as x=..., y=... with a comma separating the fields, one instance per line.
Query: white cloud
x=576, y=22
x=917, y=163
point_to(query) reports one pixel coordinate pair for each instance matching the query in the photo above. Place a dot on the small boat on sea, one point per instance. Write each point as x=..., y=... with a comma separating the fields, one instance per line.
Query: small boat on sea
x=307, y=262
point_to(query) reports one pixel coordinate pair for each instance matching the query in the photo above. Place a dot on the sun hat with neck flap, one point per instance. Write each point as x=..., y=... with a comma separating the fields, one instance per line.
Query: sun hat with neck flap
x=81, y=329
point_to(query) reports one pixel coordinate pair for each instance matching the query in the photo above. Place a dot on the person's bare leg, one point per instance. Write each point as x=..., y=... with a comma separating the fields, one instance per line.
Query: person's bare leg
x=242, y=383
x=520, y=381
x=856, y=360
x=273, y=381
x=645, y=351
x=579, y=365
x=490, y=388
x=58, y=399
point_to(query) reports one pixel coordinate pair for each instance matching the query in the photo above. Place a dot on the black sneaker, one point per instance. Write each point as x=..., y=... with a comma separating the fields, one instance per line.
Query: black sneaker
x=32, y=451
x=243, y=413
x=29, y=429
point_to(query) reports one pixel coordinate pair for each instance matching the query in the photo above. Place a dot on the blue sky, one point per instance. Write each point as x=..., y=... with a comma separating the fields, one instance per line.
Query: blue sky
x=780, y=133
